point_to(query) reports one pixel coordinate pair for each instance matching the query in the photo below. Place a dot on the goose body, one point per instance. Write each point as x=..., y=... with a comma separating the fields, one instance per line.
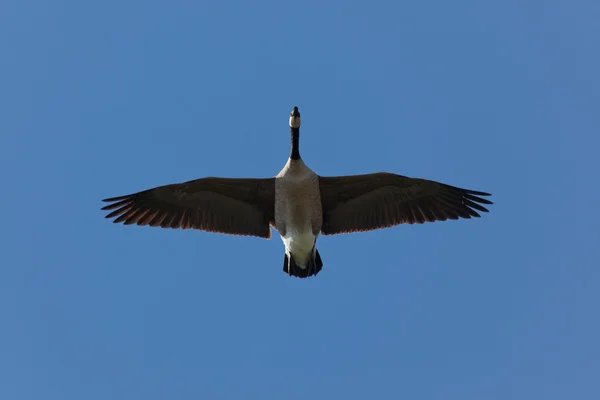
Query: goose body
x=298, y=214
x=298, y=203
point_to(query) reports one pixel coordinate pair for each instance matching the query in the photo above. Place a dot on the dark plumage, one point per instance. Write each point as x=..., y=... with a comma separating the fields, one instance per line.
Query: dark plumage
x=365, y=202
x=224, y=205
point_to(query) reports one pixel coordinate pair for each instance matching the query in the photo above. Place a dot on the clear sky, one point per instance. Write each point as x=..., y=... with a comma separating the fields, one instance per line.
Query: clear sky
x=100, y=99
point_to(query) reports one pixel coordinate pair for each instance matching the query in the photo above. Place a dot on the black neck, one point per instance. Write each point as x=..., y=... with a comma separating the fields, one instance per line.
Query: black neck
x=295, y=153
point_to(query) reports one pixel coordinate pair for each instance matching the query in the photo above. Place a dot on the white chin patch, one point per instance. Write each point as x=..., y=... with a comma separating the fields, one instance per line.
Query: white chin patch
x=294, y=122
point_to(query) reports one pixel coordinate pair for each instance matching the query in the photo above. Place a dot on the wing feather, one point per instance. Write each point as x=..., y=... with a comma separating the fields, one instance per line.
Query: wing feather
x=235, y=206
x=358, y=203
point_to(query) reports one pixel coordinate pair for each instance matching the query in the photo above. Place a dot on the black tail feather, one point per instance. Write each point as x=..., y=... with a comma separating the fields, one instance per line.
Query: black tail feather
x=314, y=266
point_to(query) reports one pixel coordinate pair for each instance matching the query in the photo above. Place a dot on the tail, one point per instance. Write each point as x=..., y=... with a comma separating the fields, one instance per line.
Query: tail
x=313, y=267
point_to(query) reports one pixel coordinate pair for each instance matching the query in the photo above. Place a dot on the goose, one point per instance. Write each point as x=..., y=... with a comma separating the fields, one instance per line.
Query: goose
x=298, y=203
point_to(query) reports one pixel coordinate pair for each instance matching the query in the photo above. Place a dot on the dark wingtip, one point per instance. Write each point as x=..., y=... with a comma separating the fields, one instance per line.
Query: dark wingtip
x=115, y=202
x=476, y=193
x=475, y=196
x=113, y=199
x=478, y=199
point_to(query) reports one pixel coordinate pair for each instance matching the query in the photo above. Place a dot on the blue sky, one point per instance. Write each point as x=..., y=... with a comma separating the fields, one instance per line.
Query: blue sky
x=102, y=99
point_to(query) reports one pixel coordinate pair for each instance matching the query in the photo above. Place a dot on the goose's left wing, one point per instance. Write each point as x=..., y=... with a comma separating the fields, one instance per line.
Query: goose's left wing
x=235, y=206
x=358, y=203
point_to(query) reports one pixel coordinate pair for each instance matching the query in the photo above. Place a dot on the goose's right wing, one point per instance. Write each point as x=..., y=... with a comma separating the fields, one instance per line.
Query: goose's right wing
x=358, y=203
x=235, y=206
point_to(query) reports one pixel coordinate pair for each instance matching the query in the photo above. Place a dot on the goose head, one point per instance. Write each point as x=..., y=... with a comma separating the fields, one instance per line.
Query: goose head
x=295, y=134
x=295, y=118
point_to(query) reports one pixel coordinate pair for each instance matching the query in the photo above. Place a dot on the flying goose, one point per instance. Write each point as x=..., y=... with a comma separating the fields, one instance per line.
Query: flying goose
x=298, y=203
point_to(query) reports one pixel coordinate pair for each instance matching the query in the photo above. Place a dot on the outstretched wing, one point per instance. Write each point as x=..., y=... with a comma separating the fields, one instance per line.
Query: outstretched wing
x=358, y=203
x=235, y=206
